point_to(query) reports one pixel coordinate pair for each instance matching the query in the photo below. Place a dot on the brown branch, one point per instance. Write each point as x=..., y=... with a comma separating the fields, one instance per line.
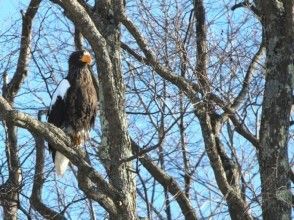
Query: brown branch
x=230, y=166
x=60, y=141
x=201, y=46
x=167, y=182
x=250, y=6
x=133, y=53
x=36, y=197
x=21, y=69
x=179, y=81
x=224, y=169
x=210, y=129
x=231, y=113
x=243, y=131
x=92, y=192
x=78, y=39
x=245, y=87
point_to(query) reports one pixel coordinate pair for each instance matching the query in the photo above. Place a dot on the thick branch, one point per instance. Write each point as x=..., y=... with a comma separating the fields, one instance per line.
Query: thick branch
x=21, y=69
x=233, y=198
x=150, y=58
x=39, y=180
x=245, y=87
x=250, y=6
x=59, y=140
x=78, y=39
x=231, y=113
x=242, y=130
x=93, y=193
x=201, y=46
x=168, y=183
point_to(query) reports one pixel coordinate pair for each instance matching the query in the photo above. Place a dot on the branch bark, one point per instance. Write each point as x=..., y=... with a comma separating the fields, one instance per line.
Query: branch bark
x=24, y=54
x=237, y=206
x=201, y=32
x=36, y=197
x=61, y=142
x=278, y=23
x=168, y=183
x=150, y=59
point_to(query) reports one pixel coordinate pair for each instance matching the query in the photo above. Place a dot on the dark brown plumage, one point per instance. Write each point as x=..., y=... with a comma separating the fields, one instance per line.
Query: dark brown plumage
x=74, y=105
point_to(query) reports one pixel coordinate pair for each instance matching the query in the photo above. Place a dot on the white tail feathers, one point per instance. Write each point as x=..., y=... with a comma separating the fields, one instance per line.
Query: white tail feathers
x=61, y=163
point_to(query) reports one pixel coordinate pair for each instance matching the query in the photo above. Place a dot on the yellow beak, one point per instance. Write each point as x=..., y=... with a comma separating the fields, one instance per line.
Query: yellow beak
x=86, y=58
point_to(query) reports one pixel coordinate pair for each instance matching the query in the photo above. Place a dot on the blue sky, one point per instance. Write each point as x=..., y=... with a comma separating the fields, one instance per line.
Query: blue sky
x=10, y=9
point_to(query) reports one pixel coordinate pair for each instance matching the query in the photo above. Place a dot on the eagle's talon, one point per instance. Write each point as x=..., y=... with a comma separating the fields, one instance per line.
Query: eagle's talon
x=76, y=140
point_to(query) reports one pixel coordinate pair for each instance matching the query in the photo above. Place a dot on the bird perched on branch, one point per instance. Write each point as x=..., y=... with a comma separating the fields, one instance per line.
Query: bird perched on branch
x=74, y=105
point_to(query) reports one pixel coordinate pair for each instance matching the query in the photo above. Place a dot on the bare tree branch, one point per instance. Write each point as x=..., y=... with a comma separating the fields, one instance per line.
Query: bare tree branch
x=21, y=69
x=78, y=38
x=201, y=70
x=151, y=59
x=250, y=6
x=133, y=53
x=94, y=193
x=246, y=82
x=60, y=141
x=36, y=197
x=167, y=182
x=242, y=130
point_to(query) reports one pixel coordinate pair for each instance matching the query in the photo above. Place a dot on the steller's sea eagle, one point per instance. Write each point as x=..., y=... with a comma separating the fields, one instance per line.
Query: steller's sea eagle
x=74, y=105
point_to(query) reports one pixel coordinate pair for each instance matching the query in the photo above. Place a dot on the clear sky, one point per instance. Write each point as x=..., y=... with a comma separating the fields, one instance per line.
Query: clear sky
x=9, y=9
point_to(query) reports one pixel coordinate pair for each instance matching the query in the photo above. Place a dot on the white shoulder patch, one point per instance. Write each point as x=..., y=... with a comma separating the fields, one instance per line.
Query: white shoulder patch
x=60, y=91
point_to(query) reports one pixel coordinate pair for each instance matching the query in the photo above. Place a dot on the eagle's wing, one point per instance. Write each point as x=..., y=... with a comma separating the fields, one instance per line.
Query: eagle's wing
x=57, y=108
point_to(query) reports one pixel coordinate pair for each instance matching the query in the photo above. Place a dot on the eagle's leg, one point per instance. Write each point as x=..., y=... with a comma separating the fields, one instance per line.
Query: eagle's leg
x=77, y=139
x=81, y=137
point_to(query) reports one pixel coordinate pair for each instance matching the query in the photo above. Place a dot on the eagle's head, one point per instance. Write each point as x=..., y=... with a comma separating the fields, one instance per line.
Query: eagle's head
x=80, y=58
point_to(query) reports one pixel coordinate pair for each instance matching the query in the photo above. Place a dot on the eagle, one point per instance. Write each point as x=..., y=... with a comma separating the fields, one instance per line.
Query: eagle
x=74, y=105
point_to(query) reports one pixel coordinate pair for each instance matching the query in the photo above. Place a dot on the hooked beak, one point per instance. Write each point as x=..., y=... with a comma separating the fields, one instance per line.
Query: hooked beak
x=86, y=58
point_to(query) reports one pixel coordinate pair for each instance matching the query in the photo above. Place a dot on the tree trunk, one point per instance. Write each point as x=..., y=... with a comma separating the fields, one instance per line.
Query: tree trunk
x=115, y=141
x=277, y=19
